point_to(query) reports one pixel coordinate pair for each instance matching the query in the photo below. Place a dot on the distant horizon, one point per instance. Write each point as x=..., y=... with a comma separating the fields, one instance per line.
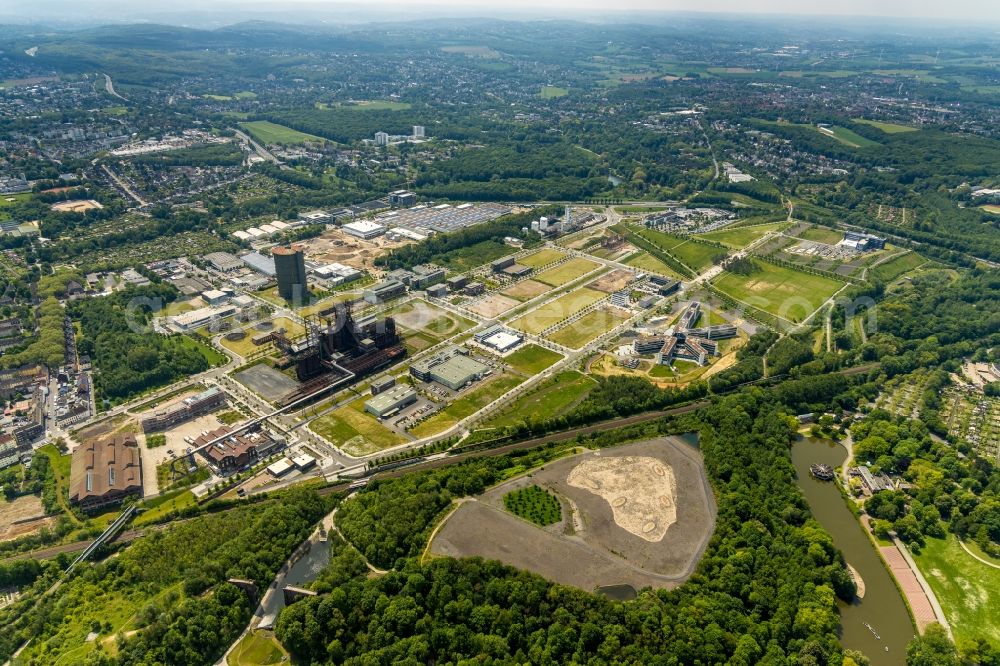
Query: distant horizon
x=222, y=13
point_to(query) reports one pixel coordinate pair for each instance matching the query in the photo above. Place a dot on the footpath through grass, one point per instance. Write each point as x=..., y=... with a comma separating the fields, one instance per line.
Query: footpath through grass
x=968, y=590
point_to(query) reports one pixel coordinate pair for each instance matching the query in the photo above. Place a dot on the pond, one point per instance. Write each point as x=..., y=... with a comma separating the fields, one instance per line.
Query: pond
x=882, y=607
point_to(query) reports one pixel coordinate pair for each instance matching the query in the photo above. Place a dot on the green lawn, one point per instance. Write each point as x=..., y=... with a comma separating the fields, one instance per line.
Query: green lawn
x=555, y=397
x=692, y=253
x=214, y=357
x=969, y=591
x=743, y=236
x=268, y=133
x=888, y=128
x=566, y=272
x=892, y=269
x=532, y=359
x=784, y=292
x=586, y=328
x=534, y=504
x=355, y=431
x=258, y=648
x=466, y=405
x=550, y=92
x=644, y=261
x=555, y=311
x=543, y=257
x=822, y=235
x=367, y=105
x=846, y=136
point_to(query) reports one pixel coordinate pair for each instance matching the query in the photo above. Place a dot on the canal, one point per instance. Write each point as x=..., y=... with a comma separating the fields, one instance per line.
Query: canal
x=882, y=607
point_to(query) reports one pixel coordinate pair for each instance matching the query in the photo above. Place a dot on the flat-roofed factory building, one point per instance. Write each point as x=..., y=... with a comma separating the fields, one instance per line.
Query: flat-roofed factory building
x=390, y=401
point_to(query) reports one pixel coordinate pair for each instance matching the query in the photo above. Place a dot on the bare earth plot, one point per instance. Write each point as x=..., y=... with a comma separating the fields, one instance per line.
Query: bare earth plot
x=639, y=515
x=21, y=516
x=614, y=281
x=526, y=290
x=493, y=305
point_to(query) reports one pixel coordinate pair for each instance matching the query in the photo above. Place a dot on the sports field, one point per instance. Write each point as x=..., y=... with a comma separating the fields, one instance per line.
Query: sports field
x=743, y=236
x=646, y=262
x=555, y=311
x=990, y=208
x=888, y=128
x=543, y=257
x=532, y=359
x=268, y=133
x=783, y=292
x=566, y=272
x=967, y=589
x=355, y=431
x=586, y=328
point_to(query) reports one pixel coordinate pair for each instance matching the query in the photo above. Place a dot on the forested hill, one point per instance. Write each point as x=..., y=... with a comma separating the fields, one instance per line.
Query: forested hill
x=764, y=593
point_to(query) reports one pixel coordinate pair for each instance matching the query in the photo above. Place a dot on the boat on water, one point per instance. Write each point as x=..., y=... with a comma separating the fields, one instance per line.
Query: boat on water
x=821, y=471
x=874, y=633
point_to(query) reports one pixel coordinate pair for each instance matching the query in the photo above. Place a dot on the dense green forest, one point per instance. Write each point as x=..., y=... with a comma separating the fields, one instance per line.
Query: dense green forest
x=128, y=357
x=167, y=590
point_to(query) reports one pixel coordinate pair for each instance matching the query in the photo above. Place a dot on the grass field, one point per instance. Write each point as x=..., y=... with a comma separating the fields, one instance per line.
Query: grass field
x=783, y=292
x=158, y=507
x=258, y=648
x=743, y=236
x=555, y=311
x=990, y=208
x=355, y=431
x=644, y=261
x=245, y=347
x=532, y=359
x=268, y=133
x=892, y=269
x=822, y=235
x=696, y=255
x=846, y=136
x=550, y=92
x=555, y=397
x=543, y=257
x=586, y=328
x=466, y=405
x=968, y=590
x=566, y=272
x=888, y=128
x=367, y=105
x=534, y=504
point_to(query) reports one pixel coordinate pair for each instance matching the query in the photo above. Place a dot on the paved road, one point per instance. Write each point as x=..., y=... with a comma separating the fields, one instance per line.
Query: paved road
x=109, y=86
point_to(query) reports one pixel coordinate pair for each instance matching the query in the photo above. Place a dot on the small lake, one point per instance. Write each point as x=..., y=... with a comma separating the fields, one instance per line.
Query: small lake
x=883, y=607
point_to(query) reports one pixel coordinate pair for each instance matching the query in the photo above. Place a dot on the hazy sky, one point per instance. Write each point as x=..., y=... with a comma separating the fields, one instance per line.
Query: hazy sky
x=978, y=12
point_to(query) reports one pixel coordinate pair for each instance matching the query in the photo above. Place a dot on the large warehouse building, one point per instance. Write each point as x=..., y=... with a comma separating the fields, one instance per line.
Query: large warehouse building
x=390, y=401
x=104, y=473
x=451, y=367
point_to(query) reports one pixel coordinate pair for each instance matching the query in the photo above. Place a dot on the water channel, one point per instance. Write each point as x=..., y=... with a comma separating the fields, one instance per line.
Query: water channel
x=882, y=607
